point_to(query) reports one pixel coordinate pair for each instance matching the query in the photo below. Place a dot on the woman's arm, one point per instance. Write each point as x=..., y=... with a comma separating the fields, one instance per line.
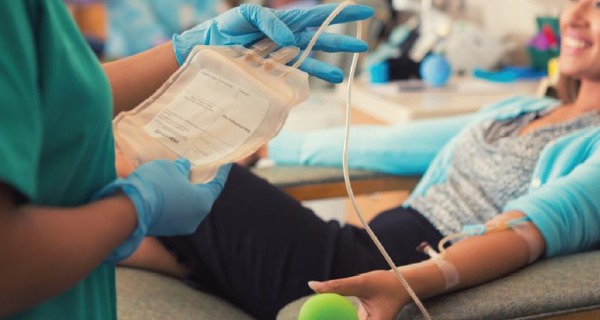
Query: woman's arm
x=565, y=215
x=135, y=78
x=566, y=208
x=477, y=259
x=45, y=251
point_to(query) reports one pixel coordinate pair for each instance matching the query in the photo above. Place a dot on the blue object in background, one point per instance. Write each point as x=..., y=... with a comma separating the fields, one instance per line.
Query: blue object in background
x=390, y=49
x=380, y=73
x=138, y=25
x=435, y=70
x=510, y=74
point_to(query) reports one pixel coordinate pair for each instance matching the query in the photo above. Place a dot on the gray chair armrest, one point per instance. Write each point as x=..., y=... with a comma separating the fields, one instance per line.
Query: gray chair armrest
x=548, y=288
x=143, y=295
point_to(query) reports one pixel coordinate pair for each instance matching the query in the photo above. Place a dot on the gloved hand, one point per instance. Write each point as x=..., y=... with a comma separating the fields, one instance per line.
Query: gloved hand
x=248, y=23
x=166, y=202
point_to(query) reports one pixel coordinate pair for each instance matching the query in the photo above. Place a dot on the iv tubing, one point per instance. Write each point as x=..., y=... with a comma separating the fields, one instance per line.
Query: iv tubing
x=442, y=244
x=389, y=260
x=306, y=52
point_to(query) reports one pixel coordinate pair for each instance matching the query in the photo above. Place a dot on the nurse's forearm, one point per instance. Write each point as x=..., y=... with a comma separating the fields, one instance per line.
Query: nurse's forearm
x=135, y=78
x=46, y=251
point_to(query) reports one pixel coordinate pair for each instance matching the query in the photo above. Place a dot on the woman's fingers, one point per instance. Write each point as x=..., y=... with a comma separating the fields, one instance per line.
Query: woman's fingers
x=357, y=286
x=381, y=295
x=362, y=312
x=301, y=19
x=331, y=42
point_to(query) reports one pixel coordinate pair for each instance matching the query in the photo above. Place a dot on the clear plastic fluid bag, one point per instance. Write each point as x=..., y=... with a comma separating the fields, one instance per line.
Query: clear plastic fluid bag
x=219, y=107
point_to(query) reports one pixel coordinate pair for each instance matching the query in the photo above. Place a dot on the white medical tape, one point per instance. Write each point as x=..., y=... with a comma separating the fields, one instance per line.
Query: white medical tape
x=535, y=247
x=449, y=271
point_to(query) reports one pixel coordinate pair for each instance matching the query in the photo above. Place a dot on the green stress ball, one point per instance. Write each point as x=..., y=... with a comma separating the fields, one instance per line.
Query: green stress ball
x=328, y=306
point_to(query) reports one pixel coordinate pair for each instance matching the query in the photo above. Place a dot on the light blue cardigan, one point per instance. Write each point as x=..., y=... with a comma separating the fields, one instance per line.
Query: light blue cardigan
x=563, y=199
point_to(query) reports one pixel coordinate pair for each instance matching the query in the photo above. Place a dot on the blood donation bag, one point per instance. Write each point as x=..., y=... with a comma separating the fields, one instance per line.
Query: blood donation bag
x=219, y=107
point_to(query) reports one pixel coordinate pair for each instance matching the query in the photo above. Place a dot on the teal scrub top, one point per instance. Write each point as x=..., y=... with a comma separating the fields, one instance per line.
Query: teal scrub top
x=56, y=144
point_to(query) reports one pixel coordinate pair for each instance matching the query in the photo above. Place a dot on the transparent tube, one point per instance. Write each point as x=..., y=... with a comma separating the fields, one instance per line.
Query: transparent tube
x=380, y=247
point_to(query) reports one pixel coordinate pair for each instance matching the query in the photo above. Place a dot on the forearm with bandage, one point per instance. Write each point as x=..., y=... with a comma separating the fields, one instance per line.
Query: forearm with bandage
x=479, y=258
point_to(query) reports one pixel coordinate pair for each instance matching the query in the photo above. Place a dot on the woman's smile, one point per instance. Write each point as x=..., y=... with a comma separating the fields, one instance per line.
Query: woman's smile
x=575, y=43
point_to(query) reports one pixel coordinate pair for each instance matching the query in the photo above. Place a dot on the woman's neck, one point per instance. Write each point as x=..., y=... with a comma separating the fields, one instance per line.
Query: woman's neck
x=588, y=98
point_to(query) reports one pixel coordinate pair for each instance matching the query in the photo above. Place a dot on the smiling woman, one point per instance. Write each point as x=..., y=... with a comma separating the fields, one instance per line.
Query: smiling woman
x=580, y=27
x=580, y=89
x=580, y=47
x=577, y=42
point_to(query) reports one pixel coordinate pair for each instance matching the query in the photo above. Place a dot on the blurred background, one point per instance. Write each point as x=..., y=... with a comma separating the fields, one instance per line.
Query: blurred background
x=427, y=58
x=470, y=34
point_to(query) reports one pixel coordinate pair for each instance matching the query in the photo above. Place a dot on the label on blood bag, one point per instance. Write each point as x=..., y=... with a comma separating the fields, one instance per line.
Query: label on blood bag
x=210, y=119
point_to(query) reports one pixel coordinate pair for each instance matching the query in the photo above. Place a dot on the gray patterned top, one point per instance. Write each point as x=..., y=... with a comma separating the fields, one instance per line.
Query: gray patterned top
x=491, y=166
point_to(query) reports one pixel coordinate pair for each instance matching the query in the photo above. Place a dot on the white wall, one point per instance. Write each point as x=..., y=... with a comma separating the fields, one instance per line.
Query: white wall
x=504, y=17
x=512, y=20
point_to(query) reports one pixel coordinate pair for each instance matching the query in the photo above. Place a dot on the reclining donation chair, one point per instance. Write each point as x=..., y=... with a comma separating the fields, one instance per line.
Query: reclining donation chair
x=566, y=288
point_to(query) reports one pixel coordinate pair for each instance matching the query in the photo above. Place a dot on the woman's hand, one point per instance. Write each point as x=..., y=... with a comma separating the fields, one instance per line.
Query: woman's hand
x=248, y=23
x=381, y=295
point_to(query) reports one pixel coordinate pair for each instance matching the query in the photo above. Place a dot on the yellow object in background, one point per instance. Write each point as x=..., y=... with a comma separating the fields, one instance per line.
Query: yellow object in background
x=553, y=71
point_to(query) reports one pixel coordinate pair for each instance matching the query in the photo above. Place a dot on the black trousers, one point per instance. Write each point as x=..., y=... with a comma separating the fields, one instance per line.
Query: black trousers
x=259, y=247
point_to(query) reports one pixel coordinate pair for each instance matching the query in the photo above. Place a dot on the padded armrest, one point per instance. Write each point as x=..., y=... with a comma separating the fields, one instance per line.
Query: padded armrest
x=144, y=295
x=547, y=288
x=313, y=183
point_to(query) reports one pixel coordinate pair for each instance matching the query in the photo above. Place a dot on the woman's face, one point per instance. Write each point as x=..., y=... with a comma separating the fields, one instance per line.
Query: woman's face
x=580, y=47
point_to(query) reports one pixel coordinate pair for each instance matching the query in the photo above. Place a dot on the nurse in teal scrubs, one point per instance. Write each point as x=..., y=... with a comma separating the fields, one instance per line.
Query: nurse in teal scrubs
x=64, y=218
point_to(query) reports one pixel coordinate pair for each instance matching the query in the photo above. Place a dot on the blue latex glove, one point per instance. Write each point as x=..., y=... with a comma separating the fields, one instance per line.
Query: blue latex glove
x=248, y=23
x=166, y=202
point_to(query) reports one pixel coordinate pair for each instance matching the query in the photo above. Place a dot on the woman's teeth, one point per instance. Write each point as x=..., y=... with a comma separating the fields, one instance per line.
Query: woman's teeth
x=575, y=43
